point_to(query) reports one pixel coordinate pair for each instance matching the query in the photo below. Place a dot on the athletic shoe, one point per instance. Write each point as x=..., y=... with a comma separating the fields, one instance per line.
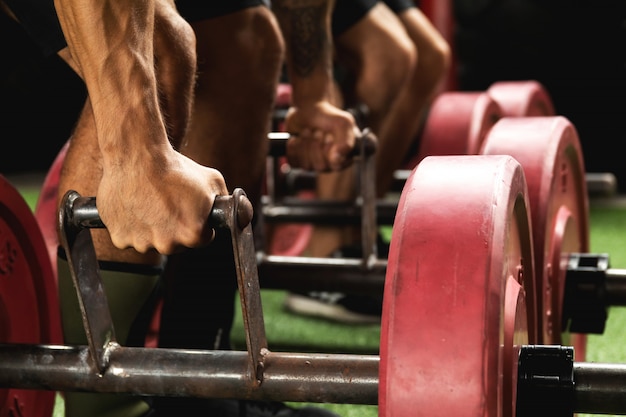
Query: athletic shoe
x=335, y=306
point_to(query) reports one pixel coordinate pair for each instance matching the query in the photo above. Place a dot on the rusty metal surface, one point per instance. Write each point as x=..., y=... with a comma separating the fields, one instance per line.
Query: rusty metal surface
x=296, y=210
x=238, y=218
x=76, y=215
x=349, y=379
x=321, y=274
x=367, y=195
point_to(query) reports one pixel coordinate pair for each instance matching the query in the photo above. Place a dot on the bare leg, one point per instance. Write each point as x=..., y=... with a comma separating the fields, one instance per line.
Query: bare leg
x=237, y=79
x=402, y=123
x=381, y=55
x=398, y=62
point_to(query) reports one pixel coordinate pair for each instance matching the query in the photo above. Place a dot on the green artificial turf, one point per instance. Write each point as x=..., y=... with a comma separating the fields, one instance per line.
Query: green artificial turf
x=293, y=333
x=608, y=235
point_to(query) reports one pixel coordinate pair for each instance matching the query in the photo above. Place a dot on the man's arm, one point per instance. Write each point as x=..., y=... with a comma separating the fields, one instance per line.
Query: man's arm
x=111, y=43
x=149, y=196
x=325, y=133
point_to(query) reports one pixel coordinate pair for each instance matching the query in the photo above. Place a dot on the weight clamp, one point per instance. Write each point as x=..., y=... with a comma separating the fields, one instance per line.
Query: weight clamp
x=545, y=381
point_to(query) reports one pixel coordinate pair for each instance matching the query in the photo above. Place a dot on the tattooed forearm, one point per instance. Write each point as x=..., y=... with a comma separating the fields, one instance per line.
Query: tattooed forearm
x=305, y=30
x=309, y=40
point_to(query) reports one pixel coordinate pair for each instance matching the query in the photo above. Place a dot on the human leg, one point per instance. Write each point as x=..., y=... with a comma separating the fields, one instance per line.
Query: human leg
x=228, y=130
x=397, y=105
x=399, y=59
x=402, y=123
x=237, y=80
x=239, y=54
x=381, y=57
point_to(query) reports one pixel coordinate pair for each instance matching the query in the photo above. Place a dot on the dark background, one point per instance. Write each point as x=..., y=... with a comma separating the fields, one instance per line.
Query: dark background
x=576, y=49
x=39, y=101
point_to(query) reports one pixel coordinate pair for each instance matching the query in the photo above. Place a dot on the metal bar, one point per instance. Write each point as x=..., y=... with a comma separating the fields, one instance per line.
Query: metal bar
x=367, y=176
x=321, y=274
x=293, y=210
x=248, y=282
x=75, y=213
x=330, y=378
x=299, y=377
x=616, y=287
x=600, y=388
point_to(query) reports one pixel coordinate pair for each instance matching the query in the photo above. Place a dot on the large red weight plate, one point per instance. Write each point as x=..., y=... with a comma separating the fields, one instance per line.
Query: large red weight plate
x=522, y=98
x=458, y=298
x=457, y=124
x=550, y=152
x=29, y=310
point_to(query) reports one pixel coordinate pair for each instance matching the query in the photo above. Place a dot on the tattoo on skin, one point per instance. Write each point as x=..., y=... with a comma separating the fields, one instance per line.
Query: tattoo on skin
x=306, y=33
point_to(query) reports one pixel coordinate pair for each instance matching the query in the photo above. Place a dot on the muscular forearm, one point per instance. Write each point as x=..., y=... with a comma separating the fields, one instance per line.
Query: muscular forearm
x=111, y=43
x=306, y=28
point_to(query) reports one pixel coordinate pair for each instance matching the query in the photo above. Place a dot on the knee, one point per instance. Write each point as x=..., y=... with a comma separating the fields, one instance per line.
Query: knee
x=265, y=47
x=384, y=75
x=402, y=64
x=434, y=61
x=249, y=58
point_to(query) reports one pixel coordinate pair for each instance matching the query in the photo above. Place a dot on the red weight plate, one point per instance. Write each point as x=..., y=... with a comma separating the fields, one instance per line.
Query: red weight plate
x=550, y=152
x=283, y=95
x=29, y=310
x=522, y=98
x=46, y=207
x=289, y=239
x=457, y=124
x=458, y=290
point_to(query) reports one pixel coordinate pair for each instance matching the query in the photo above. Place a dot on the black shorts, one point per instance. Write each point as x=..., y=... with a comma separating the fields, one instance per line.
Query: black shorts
x=40, y=21
x=399, y=6
x=348, y=12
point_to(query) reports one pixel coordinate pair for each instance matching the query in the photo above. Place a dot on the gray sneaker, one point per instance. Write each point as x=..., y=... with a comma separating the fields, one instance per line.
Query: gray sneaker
x=336, y=306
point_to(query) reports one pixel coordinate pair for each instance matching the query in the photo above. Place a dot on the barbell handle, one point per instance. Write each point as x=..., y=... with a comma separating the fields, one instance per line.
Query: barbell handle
x=78, y=214
x=82, y=212
x=365, y=148
x=364, y=141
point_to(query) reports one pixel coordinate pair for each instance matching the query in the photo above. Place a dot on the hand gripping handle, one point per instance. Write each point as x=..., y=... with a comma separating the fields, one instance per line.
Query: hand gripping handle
x=78, y=214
